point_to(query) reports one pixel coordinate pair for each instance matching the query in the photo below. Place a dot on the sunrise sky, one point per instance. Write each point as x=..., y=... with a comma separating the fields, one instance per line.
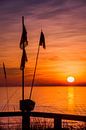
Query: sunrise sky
x=64, y=25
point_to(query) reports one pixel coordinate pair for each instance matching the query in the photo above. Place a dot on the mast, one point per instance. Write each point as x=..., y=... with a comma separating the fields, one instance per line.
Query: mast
x=22, y=84
x=41, y=43
x=23, y=67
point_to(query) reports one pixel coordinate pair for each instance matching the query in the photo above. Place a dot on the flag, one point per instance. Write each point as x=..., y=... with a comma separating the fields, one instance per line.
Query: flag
x=4, y=70
x=23, y=60
x=42, y=40
x=23, y=41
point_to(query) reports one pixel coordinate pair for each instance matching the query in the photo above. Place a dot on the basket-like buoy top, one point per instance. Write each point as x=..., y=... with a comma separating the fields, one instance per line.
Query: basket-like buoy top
x=27, y=105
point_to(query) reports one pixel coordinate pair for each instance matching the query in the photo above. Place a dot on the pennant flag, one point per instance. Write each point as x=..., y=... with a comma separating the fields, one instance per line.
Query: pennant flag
x=4, y=70
x=23, y=60
x=23, y=41
x=42, y=40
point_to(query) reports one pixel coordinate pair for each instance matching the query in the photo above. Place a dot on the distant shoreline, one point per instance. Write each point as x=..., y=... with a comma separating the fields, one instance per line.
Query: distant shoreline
x=48, y=86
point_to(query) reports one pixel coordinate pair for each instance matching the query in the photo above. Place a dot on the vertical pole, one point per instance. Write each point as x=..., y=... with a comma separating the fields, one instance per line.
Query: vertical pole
x=23, y=116
x=23, y=84
x=23, y=103
x=23, y=68
x=34, y=72
x=26, y=121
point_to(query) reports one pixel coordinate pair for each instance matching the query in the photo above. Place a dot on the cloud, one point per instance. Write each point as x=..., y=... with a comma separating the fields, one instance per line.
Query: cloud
x=56, y=8
x=64, y=24
x=14, y=76
x=68, y=15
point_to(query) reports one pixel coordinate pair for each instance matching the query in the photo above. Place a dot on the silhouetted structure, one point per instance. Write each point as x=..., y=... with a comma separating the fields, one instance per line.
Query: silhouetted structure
x=41, y=43
x=57, y=117
x=26, y=105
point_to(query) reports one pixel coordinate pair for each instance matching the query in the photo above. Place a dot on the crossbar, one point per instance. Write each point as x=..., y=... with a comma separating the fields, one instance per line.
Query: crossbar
x=45, y=115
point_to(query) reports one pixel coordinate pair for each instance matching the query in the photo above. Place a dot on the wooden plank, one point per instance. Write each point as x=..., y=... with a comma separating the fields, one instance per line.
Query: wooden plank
x=10, y=114
x=45, y=115
x=62, y=116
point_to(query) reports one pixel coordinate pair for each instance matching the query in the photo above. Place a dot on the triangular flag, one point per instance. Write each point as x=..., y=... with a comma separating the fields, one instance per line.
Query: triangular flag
x=23, y=60
x=42, y=40
x=23, y=41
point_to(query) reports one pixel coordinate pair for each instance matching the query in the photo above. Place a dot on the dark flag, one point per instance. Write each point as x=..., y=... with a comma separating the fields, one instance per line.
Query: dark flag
x=42, y=40
x=4, y=71
x=23, y=41
x=23, y=60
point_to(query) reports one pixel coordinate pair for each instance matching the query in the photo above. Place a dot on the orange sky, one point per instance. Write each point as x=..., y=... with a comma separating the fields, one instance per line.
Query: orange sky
x=64, y=26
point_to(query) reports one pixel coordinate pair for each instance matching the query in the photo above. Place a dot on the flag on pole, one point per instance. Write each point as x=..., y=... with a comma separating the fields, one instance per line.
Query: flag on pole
x=4, y=70
x=23, y=60
x=23, y=41
x=42, y=40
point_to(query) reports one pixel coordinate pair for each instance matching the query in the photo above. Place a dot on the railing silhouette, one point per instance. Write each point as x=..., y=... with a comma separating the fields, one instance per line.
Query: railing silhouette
x=57, y=117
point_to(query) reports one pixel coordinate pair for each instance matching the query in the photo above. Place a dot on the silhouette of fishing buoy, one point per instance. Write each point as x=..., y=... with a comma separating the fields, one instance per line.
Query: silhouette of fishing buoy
x=27, y=105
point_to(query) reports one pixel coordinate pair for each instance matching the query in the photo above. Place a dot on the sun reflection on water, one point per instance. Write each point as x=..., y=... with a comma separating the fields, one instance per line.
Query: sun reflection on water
x=71, y=99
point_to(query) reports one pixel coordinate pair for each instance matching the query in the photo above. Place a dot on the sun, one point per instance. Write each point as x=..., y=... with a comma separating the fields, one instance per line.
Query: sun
x=70, y=79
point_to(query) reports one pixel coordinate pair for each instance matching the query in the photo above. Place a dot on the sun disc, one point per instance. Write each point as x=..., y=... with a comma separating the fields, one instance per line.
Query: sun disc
x=70, y=79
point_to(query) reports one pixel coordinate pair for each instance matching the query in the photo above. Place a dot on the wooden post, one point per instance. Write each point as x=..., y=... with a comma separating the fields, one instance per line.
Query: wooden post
x=57, y=123
x=26, y=106
x=26, y=121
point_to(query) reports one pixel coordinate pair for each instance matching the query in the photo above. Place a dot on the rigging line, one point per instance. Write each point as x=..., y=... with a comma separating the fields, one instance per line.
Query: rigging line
x=34, y=73
x=7, y=94
x=9, y=100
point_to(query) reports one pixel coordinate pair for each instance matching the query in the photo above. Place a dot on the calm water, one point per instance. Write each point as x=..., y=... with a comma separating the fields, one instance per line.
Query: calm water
x=50, y=99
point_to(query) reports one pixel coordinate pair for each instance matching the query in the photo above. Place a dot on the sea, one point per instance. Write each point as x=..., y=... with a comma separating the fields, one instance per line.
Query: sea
x=54, y=99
